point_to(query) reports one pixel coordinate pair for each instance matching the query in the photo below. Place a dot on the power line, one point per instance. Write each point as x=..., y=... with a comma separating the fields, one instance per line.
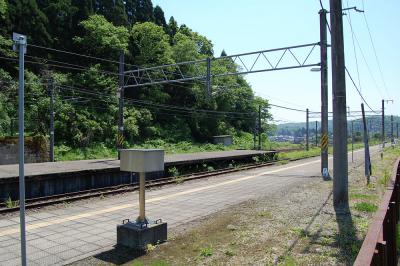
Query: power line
x=359, y=92
x=77, y=54
x=354, y=46
x=93, y=57
x=287, y=108
x=375, y=53
x=347, y=71
x=81, y=68
x=169, y=107
x=366, y=63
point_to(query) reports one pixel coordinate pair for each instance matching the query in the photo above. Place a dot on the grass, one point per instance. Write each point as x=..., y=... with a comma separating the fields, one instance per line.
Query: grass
x=103, y=151
x=206, y=251
x=293, y=155
x=363, y=196
x=240, y=141
x=365, y=207
x=11, y=203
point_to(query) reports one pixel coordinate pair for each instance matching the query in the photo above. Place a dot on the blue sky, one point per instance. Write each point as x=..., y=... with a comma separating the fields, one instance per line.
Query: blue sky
x=244, y=26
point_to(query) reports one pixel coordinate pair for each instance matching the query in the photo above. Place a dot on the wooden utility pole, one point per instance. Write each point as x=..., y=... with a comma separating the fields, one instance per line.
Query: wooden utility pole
x=340, y=167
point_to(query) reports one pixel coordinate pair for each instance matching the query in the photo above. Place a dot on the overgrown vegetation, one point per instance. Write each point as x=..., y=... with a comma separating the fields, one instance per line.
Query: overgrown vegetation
x=86, y=100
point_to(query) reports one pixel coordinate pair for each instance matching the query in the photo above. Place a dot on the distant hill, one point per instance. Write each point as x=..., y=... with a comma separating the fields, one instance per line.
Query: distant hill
x=373, y=126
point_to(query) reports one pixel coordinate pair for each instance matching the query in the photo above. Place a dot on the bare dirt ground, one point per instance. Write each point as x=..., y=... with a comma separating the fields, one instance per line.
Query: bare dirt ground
x=295, y=226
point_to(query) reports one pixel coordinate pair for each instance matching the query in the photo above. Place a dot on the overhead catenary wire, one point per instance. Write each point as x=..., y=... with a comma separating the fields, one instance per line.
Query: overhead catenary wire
x=354, y=46
x=374, y=49
x=359, y=92
x=348, y=72
x=83, y=68
x=96, y=58
x=156, y=104
x=78, y=54
x=104, y=98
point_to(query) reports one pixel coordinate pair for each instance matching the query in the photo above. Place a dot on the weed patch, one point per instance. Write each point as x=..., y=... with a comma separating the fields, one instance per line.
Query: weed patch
x=206, y=251
x=365, y=207
x=12, y=203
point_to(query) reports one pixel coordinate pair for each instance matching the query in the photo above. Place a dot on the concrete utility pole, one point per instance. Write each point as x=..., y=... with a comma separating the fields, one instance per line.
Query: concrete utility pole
x=367, y=161
x=208, y=77
x=254, y=133
x=20, y=43
x=51, y=91
x=340, y=167
x=307, y=130
x=352, y=141
x=121, y=83
x=324, y=93
x=391, y=131
x=383, y=124
x=316, y=133
x=259, y=127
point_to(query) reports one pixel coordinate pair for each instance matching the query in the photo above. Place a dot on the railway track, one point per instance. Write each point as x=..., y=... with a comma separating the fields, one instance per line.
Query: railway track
x=98, y=192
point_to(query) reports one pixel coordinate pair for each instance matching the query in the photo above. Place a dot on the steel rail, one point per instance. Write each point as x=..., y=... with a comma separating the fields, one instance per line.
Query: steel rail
x=85, y=194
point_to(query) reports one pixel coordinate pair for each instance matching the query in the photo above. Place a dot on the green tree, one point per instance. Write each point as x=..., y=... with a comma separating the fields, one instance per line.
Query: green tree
x=7, y=106
x=172, y=27
x=149, y=45
x=28, y=19
x=144, y=11
x=130, y=10
x=61, y=15
x=113, y=11
x=4, y=19
x=102, y=37
x=159, y=18
x=90, y=116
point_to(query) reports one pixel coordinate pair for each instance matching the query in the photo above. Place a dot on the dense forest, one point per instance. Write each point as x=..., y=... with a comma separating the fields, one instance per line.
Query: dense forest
x=86, y=87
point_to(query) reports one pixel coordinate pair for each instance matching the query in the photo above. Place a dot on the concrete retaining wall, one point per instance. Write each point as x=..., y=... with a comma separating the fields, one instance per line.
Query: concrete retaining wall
x=56, y=184
x=36, y=150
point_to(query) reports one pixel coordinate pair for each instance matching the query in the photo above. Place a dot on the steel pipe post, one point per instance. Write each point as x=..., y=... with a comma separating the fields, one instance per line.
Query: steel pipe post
x=20, y=43
x=142, y=198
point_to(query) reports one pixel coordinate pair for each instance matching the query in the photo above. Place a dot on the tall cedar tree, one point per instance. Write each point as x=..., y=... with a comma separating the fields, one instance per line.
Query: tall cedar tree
x=113, y=11
x=172, y=27
x=159, y=18
x=144, y=11
x=61, y=15
x=34, y=24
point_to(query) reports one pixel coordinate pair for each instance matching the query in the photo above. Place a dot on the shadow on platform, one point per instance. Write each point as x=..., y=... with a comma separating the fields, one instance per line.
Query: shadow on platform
x=119, y=255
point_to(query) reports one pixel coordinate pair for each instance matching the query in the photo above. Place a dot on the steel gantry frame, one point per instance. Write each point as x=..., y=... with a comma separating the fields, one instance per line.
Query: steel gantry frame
x=202, y=69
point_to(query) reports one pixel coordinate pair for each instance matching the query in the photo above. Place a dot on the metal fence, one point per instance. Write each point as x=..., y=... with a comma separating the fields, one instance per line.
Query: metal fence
x=380, y=246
